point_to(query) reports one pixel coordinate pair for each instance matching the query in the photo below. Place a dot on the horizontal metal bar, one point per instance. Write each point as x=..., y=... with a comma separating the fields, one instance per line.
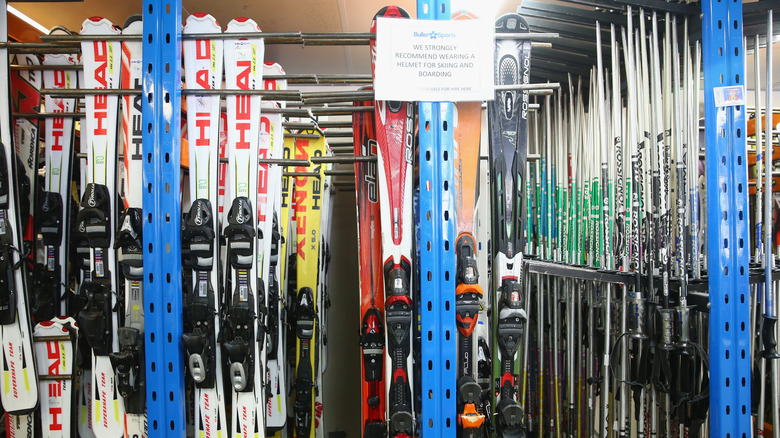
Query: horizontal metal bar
x=528, y=36
x=269, y=37
x=286, y=95
x=536, y=86
x=299, y=125
x=41, y=67
x=295, y=135
x=339, y=172
x=341, y=134
x=55, y=377
x=81, y=92
x=302, y=174
x=343, y=159
x=57, y=338
x=49, y=115
x=340, y=110
x=339, y=149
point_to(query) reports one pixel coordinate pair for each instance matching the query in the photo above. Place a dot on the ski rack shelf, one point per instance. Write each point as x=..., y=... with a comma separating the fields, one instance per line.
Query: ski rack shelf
x=162, y=218
x=437, y=259
x=727, y=202
x=698, y=290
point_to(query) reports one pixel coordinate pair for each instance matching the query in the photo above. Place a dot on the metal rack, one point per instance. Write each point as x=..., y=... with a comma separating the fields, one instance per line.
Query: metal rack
x=727, y=194
x=727, y=216
x=162, y=218
x=729, y=340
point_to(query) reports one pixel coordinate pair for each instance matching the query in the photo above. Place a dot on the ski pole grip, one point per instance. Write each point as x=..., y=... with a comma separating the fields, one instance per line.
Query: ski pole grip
x=768, y=337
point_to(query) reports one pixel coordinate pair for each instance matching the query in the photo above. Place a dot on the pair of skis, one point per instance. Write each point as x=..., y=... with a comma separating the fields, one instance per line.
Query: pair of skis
x=112, y=319
x=252, y=199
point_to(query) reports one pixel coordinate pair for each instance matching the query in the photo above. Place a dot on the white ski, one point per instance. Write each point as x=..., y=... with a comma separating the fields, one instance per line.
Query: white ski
x=272, y=132
x=129, y=360
x=55, y=199
x=55, y=353
x=243, y=70
x=19, y=385
x=98, y=320
x=203, y=70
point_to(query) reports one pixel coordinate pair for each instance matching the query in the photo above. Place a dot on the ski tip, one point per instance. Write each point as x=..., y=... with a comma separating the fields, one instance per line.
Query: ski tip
x=60, y=30
x=242, y=24
x=135, y=18
x=389, y=12
x=511, y=23
x=204, y=19
x=98, y=26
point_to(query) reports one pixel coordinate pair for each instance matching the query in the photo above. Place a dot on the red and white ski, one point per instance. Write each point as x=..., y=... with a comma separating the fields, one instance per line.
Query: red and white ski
x=203, y=70
x=242, y=340
x=99, y=319
x=372, y=318
x=395, y=137
x=55, y=355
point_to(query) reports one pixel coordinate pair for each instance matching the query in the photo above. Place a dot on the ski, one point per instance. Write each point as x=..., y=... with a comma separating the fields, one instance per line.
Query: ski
x=203, y=70
x=19, y=388
x=55, y=353
x=128, y=362
x=246, y=308
x=508, y=119
x=54, y=206
x=323, y=302
x=395, y=137
x=98, y=319
x=308, y=210
x=271, y=124
x=468, y=293
x=372, y=335
x=26, y=99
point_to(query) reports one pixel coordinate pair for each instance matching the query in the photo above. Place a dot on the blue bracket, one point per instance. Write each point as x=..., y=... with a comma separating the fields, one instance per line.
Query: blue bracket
x=727, y=216
x=162, y=218
x=438, y=260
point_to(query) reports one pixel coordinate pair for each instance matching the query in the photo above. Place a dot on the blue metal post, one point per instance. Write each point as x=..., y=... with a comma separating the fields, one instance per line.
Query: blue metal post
x=162, y=217
x=727, y=200
x=438, y=261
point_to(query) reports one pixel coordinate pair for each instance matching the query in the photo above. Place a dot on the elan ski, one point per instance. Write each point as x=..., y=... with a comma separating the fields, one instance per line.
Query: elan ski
x=245, y=301
x=508, y=118
x=97, y=218
x=395, y=137
x=203, y=70
x=372, y=334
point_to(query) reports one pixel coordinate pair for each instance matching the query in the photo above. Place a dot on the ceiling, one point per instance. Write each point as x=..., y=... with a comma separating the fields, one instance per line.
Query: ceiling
x=574, y=20
x=307, y=16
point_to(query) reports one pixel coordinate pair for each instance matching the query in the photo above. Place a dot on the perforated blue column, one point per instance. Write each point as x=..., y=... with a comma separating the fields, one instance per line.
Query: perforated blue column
x=438, y=261
x=162, y=217
x=727, y=219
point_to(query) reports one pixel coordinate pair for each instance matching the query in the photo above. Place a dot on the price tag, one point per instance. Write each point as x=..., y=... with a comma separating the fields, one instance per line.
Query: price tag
x=729, y=96
x=431, y=60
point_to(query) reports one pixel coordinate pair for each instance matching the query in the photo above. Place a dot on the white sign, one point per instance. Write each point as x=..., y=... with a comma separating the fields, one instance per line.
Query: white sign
x=428, y=60
x=729, y=96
